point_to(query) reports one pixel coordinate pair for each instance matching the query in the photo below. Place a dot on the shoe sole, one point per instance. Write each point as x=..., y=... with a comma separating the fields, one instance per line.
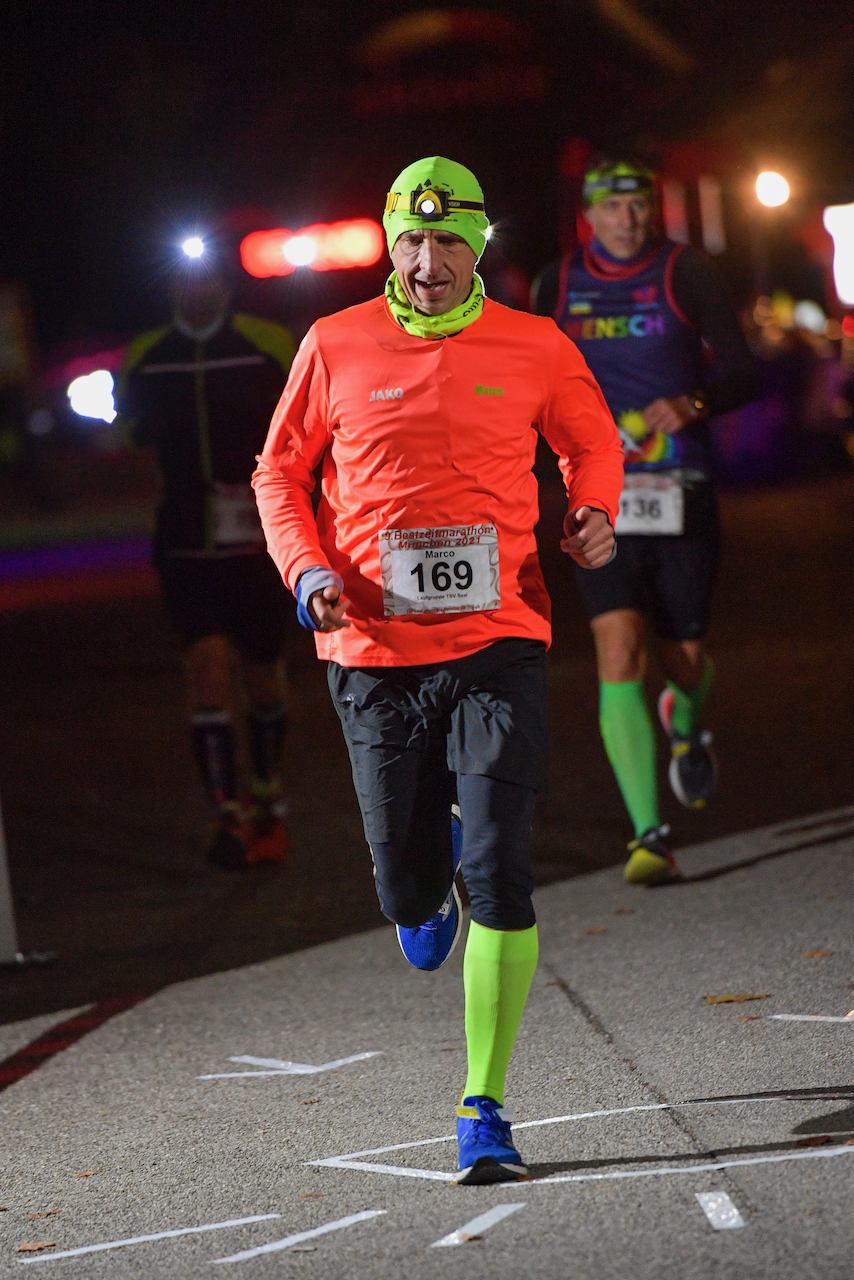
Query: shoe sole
x=699, y=802
x=487, y=1171
x=459, y=909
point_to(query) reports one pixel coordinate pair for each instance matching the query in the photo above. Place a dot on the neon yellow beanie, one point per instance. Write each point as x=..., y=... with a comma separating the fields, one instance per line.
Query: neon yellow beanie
x=436, y=192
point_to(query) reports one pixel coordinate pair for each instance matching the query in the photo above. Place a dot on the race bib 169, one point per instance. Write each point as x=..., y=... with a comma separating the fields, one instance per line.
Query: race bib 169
x=452, y=570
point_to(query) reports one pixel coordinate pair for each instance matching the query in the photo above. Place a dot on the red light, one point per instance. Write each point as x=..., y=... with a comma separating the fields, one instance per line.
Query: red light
x=339, y=245
x=848, y=326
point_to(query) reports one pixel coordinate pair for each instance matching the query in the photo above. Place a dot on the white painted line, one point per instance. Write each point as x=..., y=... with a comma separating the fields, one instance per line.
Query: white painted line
x=478, y=1225
x=811, y=1017
x=280, y=1068
x=158, y=1235
x=399, y=1171
x=352, y=1159
x=275, y=1246
x=694, y=1168
x=720, y=1210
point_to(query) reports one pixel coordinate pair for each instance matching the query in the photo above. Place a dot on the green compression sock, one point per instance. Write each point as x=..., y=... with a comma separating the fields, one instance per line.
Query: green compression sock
x=687, y=706
x=629, y=739
x=497, y=972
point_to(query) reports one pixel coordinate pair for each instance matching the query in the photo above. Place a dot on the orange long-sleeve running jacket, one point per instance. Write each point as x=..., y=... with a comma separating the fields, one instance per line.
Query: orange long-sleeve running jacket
x=434, y=437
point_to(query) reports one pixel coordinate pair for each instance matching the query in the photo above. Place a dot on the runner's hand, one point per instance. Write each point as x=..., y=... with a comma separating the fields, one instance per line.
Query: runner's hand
x=591, y=539
x=669, y=415
x=327, y=608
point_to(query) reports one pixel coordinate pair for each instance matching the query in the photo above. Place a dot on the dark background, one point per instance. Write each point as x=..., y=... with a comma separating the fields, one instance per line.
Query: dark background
x=124, y=124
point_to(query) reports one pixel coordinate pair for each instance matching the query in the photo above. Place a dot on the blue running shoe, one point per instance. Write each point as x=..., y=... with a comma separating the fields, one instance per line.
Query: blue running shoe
x=429, y=945
x=487, y=1154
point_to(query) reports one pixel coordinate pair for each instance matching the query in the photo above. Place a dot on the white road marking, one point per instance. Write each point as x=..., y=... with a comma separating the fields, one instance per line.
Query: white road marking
x=352, y=1159
x=812, y=1017
x=695, y=1168
x=720, y=1210
x=280, y=1068
x=275, y=1246
x=158, y=1235
x=478, y=1225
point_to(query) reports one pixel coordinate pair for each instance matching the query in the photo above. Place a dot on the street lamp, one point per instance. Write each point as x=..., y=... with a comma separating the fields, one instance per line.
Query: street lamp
x=772, y=189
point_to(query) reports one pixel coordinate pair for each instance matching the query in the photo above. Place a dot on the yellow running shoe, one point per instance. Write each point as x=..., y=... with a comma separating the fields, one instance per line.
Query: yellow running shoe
x=650, y=860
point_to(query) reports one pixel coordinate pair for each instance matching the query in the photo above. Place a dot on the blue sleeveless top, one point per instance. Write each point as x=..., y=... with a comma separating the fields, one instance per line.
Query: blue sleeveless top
x=639, y=346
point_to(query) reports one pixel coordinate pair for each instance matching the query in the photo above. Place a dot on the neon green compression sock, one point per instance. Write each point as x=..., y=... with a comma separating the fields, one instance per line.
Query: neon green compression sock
x=629, y=739
x=497, y=972
x=687, y=706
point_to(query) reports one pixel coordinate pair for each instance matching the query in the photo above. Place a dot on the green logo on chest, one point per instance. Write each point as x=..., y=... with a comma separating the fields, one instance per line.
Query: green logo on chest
x=488, y=391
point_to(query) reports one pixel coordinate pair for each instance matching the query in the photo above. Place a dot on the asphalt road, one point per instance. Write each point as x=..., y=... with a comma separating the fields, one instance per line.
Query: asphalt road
x=633, y=1093
x=106, y=820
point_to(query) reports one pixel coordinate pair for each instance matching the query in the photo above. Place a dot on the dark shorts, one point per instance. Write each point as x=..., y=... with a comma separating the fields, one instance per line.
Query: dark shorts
x=670, y=579
x=241, y=597
x=409, y=731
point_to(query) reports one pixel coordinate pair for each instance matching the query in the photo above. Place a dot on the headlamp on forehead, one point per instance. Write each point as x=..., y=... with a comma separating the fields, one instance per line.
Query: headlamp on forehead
x=430, y=205
x=623, y=181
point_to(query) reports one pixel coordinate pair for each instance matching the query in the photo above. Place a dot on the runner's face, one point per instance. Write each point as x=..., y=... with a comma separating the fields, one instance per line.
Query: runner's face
x=623, y=223
x=434, y=268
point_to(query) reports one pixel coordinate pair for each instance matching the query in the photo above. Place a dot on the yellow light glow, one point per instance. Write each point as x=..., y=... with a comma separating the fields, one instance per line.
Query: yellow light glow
x=772, y=189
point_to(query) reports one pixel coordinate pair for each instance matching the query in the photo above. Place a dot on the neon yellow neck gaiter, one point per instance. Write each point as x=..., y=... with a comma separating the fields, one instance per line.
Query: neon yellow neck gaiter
x=421, y=326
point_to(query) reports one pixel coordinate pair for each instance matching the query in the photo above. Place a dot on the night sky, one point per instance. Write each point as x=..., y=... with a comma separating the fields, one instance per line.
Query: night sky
x=123, y=124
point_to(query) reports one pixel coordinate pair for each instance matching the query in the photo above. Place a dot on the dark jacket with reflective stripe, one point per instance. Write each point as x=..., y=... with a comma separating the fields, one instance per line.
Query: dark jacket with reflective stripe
x=205, y=408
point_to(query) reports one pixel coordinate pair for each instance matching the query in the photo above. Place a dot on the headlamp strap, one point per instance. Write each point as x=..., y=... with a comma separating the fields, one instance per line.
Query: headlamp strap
x=444, y=203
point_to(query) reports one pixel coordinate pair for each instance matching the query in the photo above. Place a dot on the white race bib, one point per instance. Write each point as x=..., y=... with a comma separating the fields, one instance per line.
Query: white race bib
x=235, y=513
x=650, y=504
x=440, y=570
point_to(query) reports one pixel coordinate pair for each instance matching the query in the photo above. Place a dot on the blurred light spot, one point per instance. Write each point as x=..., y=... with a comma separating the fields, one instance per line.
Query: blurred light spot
x=92, y=396
x=839, y=221
x=848, y=327
x=322, y=247
x=711, y=214
x=809, y=315
x=194, y=247
x=833, y=330
x=674, y=210
x=300, y=251
x=772, y=189
x=488, y=233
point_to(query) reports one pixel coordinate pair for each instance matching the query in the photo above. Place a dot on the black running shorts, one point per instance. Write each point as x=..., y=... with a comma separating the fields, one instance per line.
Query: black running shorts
x=670, y=579
x=241, y=597
x=409, y=730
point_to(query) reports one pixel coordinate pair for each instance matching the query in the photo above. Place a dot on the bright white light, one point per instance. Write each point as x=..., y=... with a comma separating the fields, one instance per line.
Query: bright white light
x=92, y=396
x=428, y=206
x=488, y=233
x=772, y=189
x=809, y=315
x=194, y=247
x=300, y=251
x=839, y=221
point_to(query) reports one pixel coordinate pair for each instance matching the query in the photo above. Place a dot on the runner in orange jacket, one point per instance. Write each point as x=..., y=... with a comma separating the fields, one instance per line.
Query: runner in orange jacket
x=420, y=576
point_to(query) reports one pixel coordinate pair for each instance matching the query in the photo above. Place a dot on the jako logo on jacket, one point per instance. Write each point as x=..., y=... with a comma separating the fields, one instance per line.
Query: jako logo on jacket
x=394, y=393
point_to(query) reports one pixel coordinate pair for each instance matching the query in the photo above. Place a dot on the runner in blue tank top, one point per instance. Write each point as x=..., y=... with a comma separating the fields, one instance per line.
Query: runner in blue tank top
x=656, y=329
